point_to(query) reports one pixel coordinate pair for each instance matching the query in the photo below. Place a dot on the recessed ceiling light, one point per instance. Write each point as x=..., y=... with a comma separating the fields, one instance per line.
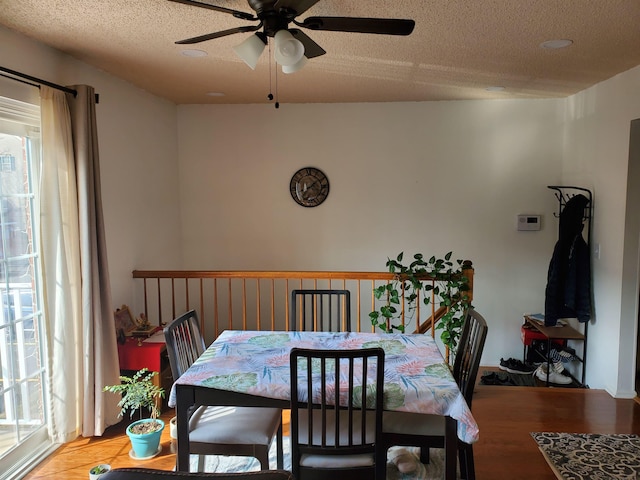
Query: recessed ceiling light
x=555, y=44
x=495, y=88
x=215, y=94
x=194, y=53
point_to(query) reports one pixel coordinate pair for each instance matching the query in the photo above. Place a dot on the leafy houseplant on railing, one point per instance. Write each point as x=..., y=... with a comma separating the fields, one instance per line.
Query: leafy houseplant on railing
x=138, y=393
x=449, y=289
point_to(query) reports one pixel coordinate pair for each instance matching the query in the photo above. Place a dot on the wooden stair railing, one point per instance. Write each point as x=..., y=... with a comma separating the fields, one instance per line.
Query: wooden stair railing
x=259, y=300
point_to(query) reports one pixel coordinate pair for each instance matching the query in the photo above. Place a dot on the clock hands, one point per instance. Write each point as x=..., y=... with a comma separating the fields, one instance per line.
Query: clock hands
x=309, y=187
x=307, y=191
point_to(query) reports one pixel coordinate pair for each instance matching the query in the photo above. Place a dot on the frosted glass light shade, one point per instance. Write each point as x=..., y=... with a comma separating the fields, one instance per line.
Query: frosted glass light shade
x=250, y=50
x=288, y=50
x=295, y=67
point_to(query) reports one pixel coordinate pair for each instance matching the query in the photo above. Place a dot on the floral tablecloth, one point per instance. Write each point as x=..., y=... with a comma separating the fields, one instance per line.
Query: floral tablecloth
x=257, y=363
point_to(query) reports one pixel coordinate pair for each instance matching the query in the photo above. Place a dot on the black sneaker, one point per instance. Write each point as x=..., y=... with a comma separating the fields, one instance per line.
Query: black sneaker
x=513, y=365
x=489, y=378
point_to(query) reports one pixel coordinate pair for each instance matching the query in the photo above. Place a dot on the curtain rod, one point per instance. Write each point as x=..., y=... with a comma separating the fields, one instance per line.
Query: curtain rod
x=38, y=81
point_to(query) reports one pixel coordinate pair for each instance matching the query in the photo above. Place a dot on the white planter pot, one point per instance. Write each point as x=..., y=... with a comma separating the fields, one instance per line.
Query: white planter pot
x=96, y=476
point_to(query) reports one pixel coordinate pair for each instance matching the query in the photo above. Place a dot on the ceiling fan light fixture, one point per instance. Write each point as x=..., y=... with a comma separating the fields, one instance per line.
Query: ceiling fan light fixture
x=294, y=68
x=288, y=51
x=250, y=50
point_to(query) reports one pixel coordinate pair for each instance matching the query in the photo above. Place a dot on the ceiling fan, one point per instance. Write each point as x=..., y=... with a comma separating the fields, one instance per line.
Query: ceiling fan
x=292, y=45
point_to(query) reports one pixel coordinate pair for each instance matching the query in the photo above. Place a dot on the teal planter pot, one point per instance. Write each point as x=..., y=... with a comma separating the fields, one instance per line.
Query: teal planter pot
x=146, y=445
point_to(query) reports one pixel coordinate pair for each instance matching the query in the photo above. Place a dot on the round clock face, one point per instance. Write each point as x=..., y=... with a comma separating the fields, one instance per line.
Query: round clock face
x=309, y=187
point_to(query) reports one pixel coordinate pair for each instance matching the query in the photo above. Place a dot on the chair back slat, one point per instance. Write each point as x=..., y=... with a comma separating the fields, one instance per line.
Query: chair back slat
x=321, y=310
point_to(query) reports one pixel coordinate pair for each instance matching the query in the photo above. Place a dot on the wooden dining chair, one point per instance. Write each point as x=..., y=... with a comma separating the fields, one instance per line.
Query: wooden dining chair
x=213, y=430
x=329, y=442
x=318, y=310
x=425, y=431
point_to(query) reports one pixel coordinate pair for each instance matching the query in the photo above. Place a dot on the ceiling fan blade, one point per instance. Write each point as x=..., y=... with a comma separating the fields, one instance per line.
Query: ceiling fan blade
x=385, y=26
x=311, y=48
x=299, y=6
x=222, y=33
x=235, y=13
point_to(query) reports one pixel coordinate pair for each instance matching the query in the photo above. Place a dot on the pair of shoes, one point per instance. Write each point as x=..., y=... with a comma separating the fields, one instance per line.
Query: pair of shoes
x=561, y=354
x=489, y=378
x=495, y=378
x=513, y=365
x=555, y=374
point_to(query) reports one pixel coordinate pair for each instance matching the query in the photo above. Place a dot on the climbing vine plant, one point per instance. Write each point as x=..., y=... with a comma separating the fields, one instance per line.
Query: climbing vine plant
x=450, y=290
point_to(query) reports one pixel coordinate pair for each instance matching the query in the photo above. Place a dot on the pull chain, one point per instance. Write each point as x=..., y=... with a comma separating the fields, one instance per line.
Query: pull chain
x=270, y=96
x=271, y=74
x=277, y=102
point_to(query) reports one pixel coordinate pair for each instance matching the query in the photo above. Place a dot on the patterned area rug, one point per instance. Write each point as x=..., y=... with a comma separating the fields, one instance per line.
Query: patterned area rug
x=574, y=456
x=434, y=470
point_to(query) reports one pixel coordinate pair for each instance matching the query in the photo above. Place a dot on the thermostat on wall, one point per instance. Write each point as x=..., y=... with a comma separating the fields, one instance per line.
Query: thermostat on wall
x=529, y=222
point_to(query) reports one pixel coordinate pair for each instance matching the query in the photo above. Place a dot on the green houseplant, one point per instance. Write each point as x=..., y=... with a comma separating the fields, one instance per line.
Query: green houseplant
x=139, y=393
x=96, y=472
x=99, y=469
x=449, y=289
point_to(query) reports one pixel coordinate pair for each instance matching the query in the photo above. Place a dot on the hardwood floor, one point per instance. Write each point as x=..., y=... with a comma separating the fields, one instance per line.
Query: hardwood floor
x=505, y=415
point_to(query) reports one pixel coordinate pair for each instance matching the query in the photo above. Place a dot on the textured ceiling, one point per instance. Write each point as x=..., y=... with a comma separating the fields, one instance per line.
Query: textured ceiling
x=458, y=48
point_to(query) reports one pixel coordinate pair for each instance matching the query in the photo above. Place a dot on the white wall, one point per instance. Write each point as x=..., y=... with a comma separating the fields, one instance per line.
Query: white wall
x=596, y=155
x=412, y=177
x=138, y=149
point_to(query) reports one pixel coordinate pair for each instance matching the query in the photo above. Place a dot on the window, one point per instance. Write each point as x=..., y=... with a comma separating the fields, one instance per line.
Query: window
x=7, y=163
x=23, y=412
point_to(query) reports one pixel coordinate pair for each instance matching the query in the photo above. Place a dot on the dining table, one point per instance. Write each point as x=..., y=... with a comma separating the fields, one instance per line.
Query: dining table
x=251, y=368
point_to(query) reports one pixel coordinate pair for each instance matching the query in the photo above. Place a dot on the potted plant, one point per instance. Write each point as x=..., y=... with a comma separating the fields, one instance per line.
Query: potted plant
x=449, y=288
x=96, y=472
x=139, y=393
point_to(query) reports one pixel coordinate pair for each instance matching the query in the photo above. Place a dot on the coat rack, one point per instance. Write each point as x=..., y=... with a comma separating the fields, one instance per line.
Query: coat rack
x=564, y=193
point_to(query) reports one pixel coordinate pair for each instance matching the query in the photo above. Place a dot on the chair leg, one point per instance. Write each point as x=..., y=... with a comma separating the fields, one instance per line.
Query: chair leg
x=262, y=455
x=279, y=446
x=201, y=459
x=424, y=455
x=381, y=464
x=467, y=466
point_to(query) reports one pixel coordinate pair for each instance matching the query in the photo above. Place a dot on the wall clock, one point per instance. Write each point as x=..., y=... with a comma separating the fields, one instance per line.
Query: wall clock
x=309, y=187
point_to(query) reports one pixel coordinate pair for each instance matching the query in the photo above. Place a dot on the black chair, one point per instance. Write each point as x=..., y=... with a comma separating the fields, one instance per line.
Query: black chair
x=153, y=474
x=316, y=310
x=424, y=431
x=329, y=442
x=234, y=431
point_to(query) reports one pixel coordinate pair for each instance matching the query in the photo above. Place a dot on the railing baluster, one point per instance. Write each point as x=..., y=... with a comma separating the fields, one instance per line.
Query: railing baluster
x=230, y=319
x=273, y=305
x=244, y=304
x=216, y=313
x=202, y=313
x=159, y=303
x=258, y=304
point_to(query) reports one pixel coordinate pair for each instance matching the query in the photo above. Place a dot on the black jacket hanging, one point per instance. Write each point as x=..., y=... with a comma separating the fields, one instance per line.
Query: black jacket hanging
x=568, y=292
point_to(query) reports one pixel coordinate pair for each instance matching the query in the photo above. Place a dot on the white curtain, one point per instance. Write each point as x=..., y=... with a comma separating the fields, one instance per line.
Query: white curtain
x=81, y=343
